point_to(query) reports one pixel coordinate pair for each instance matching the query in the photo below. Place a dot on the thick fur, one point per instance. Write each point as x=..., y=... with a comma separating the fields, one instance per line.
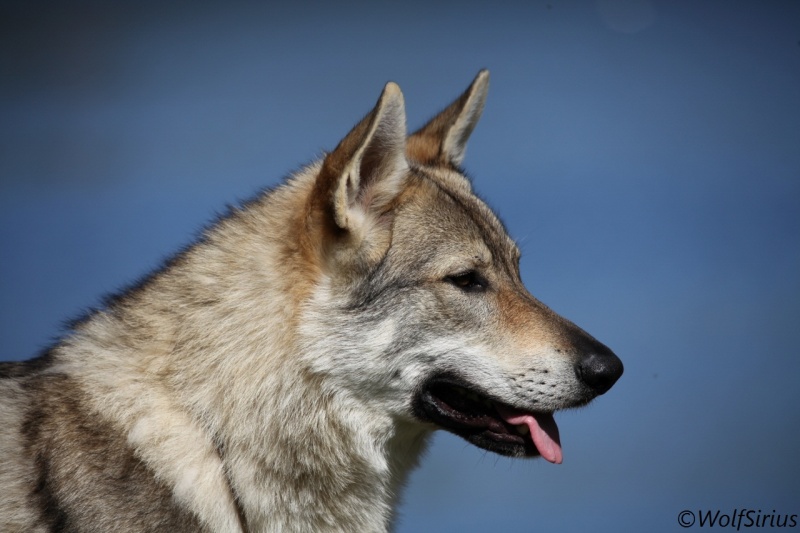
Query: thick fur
x=276, y=375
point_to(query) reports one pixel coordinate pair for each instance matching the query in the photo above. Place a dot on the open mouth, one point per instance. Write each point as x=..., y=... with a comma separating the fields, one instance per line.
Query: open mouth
x=457, y=407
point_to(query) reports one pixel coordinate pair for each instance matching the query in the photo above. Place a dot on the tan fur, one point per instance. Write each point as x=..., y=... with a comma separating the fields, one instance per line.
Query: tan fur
x=274, y=376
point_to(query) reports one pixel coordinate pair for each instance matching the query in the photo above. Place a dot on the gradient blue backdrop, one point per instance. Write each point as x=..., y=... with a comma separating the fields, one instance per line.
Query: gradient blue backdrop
x=645, y=154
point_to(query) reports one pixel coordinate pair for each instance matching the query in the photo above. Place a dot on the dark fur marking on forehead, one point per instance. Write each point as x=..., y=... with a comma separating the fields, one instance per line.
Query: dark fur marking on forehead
x=486, y=220
x=492, y=231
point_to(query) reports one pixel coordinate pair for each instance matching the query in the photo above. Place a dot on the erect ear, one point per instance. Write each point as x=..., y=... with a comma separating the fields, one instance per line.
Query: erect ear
x=443, y=140
x=364, y=173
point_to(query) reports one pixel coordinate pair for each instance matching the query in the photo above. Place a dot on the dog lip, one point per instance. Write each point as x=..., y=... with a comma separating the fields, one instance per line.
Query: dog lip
x=455, y=405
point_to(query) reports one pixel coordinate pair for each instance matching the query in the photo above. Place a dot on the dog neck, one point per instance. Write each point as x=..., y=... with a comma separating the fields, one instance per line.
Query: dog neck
x=324, y=462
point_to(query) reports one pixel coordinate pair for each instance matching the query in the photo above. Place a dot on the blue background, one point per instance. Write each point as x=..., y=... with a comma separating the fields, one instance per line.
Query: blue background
x=646, y=155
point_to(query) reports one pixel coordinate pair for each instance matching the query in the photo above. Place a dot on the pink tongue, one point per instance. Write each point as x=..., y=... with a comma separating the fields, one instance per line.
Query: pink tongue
x=543, y=428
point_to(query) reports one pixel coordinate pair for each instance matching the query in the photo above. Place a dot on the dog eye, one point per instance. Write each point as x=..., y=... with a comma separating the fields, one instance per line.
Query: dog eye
x=469, y=281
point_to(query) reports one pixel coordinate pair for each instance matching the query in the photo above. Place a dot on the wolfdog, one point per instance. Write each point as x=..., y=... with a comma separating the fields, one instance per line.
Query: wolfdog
x=286, y=371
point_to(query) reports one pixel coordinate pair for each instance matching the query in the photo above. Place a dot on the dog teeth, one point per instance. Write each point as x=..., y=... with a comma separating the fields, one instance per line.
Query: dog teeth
x=522, y=429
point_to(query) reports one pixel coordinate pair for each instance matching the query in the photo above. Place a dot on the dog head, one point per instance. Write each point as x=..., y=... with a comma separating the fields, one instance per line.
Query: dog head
x=419, y=302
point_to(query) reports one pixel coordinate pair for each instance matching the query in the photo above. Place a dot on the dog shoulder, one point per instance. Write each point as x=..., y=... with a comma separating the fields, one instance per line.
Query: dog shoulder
x=65, y=467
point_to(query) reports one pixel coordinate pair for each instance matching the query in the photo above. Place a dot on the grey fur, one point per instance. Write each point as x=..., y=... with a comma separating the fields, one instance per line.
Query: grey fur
x=286, y=371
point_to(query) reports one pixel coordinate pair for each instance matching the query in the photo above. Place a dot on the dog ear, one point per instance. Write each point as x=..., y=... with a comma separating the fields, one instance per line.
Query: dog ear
x=364, y=173
x=443, y=140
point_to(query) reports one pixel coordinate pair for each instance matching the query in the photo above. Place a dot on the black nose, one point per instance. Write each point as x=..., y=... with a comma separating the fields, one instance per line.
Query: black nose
x=599, y=368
